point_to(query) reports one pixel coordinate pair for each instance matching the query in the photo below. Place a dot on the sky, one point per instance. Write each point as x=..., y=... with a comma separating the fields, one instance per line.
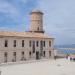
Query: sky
x=59, y=17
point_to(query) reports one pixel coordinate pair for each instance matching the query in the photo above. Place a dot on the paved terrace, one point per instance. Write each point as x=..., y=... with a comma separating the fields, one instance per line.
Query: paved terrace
x=41, y=67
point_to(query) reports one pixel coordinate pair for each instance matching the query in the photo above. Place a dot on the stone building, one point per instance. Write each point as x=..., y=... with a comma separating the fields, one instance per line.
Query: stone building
x=22, y=46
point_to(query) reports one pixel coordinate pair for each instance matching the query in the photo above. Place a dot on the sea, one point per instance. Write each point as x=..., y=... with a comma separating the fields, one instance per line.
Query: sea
x=67, y=49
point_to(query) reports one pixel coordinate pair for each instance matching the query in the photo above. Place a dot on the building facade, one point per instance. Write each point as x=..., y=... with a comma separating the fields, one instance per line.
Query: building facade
x=22, y=46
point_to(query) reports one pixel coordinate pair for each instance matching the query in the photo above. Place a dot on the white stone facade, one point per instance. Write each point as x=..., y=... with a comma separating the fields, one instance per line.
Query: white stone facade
x=10, y=49
x=22, y=46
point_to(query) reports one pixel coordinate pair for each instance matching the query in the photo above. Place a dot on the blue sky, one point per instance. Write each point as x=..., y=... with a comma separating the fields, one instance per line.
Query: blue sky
x=59, y=17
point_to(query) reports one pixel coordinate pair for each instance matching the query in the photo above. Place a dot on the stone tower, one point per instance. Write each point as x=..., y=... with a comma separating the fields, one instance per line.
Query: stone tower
x=36, y=21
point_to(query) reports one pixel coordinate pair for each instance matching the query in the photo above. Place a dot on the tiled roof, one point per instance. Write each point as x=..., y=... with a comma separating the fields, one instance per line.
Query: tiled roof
x=24, y=34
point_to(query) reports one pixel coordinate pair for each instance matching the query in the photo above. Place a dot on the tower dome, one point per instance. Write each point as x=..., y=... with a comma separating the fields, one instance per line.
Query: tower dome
x=36, y=21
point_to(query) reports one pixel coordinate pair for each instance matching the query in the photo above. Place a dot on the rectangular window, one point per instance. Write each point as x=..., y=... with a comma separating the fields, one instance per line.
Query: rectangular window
x=30, y=54
x=6, y=43
x=44, y=43
x=49, y=53
x=33, y=46
x=29, y=43
x=22, y=43
x=14, y=55
x=49, y=43
x=5, y=57
x=37, y=43
x=22, y=53
x=14, y=43
x=41, y=45
x=44, y=53
x=22, y=58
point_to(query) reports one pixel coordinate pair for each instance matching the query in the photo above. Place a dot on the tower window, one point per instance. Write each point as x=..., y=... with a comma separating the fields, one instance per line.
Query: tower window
x=14, y=43
x=6, y=43
x=22, y=43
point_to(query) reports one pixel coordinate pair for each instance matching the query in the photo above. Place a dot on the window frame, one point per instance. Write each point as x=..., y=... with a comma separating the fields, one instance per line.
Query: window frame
x=6, y=43
x=14, y=43
x=44, y=44
x=30, y=43
x=23, y=43
x=37, y=43
x=49, y=43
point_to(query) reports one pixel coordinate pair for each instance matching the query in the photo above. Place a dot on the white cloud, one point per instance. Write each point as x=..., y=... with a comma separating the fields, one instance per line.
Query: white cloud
x=9, y=10
x=12, y=12
x=59, y=19
x=24, y=1
x=6, y=29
